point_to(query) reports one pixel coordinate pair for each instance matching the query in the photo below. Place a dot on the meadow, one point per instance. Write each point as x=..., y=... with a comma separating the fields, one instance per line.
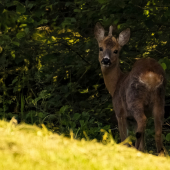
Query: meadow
x=28, y=147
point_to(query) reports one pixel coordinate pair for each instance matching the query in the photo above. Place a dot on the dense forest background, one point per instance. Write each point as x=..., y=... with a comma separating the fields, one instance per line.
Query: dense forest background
x=49, y=69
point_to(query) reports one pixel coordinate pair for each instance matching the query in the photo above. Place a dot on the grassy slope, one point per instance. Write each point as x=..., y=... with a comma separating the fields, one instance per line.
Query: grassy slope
x=27, y=147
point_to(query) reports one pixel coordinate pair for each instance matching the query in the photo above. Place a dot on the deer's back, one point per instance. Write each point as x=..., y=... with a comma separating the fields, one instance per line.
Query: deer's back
x=143, y=66
x=145, y=72
x=142, y=85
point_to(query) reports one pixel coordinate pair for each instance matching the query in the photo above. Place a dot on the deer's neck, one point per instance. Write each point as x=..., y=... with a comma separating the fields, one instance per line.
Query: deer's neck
x=111, y=77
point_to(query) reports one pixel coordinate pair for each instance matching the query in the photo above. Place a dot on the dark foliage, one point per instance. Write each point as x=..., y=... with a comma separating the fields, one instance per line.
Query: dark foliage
x=49, y=59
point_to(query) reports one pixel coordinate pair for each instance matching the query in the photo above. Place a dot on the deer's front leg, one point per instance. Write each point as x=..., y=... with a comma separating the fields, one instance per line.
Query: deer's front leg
x=122, y=125
x=142, y=143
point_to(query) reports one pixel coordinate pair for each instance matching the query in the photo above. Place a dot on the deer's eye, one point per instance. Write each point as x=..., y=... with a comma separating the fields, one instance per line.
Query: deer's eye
x=101, y=49
x=115, y=51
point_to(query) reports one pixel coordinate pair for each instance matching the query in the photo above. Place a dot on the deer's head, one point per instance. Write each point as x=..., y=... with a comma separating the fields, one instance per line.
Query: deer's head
x=109, y=46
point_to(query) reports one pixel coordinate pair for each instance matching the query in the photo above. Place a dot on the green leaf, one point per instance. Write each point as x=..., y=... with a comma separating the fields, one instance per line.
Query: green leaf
x=163, y=66
x=73, y=125
x=6, y=37
x=81, y=123
x=73, y=20
x=43, y=21
x=30, y=20
x=166, y=61
x=26, y=30
x=40, y=12
x=40, y=114
x=20, y=8
x=50, y=6
x=11, y=4
x=15, y=80
x=76, y=116
x=55, y=18
x=116, y=21
x=77, y=10
x=64, y=108
x=68, y=3
x=23, y=25
x=103, y=6
x=168, y=137
x=13, y=54
x=30, y=5
x=20, y=35
x=107, y=127
x=16, y=43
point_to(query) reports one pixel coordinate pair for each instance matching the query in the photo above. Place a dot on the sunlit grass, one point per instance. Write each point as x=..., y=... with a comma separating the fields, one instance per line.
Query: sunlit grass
x=27, y=147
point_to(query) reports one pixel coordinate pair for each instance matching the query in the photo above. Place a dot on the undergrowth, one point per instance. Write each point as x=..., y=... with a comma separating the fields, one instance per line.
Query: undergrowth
x=27, y=147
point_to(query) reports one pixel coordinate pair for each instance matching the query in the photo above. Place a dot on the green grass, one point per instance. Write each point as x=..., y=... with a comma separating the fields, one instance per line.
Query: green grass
x=26, y=147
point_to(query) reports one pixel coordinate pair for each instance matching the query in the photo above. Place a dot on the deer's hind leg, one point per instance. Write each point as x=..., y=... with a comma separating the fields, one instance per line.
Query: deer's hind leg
x=140, y=130
x=158, y=113
x=136, y=109
x=134, y=126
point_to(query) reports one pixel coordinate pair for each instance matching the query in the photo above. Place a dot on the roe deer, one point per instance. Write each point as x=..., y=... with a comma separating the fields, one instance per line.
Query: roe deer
x=134, y=94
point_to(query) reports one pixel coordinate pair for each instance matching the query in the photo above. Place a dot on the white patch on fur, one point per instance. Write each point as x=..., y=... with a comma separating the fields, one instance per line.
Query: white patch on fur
x=150, y=81
x=105, y=65
x=106, y=57
x=140, y=80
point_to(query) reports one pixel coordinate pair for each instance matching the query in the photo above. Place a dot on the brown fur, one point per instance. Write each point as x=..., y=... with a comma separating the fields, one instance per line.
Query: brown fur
x=109, y=43
x=134, y=94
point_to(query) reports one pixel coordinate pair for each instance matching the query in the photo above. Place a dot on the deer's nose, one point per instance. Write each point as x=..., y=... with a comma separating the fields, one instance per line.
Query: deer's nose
x=106, y=61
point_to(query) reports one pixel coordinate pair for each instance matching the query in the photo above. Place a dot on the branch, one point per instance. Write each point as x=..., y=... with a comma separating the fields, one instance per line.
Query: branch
x=76, y=53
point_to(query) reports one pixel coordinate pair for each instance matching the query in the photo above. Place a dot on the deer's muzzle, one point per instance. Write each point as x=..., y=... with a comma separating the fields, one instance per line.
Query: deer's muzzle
x=106, y=61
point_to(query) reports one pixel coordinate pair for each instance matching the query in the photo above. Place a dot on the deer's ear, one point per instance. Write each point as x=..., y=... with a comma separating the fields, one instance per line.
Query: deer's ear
x=99, y=32
x=124, y=37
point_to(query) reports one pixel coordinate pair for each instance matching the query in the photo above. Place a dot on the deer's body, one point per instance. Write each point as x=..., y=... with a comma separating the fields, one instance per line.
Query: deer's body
x=134, y=94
